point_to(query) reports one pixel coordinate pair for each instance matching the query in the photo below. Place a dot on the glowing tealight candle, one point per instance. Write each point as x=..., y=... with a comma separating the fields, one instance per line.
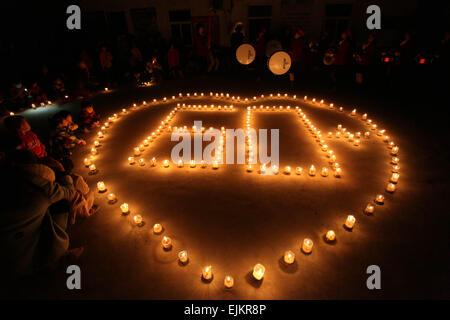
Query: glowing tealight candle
x=137, y=151
x=396, y=169
x=350, y=222
x=207, y=273
x=394, y=177
x=111, y=197
x=331, y=235
x=307, y=245
x=324, y=172
x=249, y=168
x=101, y=186
x=366, y=134
x=215, y=165
x=379, y=199
x=356, y=143
x=124, y=208
x=180, y=163
x=137, y=219
x=289, y=257
x=338, y=172
x=390, y=187
x=298, y=170
x=130, y=160
x=203, y=164
x=258, y=271
x=146, y=142
x=142, y=162
x=153, y=161
x=395, y=160
x=369, y=208
x=106, y=89
x=364, y=116
x=394, y=150
x=353, y=113
x=287, y=170
x=96, y=143
x=312, y=170
x=100, y=134
x=192, y=164
x=183, y=256
x=93, y=151
x=87, y=162
x=228, y=282
x=157, y=228
x=166, y=163
x=166, y=242
x=92, y=168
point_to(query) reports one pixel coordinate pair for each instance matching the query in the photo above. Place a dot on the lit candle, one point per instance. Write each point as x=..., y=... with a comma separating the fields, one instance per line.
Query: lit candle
x=369, y=208
x=364, y=116
x=87, y=162
x=390, y=187
x=96, y=143
x=307, y=245
x=92, y=168
x=183, y=256
x=124, y=208
x=166, y=242
x=379, y=199
x=166, y=163
x=100, y=134
x=258, y=271
x=146, y=142
x=157, y=228
x=192, y=164
x=130, y=160
x=137, y=151
x=395, y=160
x=287, y=170
x=93, y=151
x=312, y=170
x=394, y=177
x=395, y=168
x=153, y=161
x=101, y=186
x=353, y=113
x=215, y=165
x=289, y=257
x=356, y=143
x=249, y=168
x=324, y=172
x=394, y=150
x=350, y=222
x=338, y=172
x=228, y=282
x=366, y=134
x=330, y=236
x=142, y=162
x=338, y=134
x=207, y=273
x=298, y=170
x=180, y=163
x=111, y=197
x=137, y=219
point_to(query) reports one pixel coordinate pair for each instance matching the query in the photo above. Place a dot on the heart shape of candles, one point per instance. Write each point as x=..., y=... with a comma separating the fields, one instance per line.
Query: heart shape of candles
x=323, y=139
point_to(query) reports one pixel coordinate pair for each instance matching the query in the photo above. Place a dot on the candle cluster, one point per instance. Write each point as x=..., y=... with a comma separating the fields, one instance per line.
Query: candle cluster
x=307, y=244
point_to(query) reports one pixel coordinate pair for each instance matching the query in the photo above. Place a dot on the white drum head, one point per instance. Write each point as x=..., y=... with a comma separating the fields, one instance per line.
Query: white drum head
x=245, y=54
x=279, y=63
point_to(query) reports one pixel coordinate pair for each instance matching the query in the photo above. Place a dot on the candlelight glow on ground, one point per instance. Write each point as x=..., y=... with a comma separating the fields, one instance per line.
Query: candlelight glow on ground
x=334, y=163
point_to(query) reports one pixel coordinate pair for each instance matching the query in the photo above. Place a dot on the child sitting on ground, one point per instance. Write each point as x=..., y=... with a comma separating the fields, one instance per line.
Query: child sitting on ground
x=19, y=127
x=37, y=94
x=88, y=117
x=62, y=138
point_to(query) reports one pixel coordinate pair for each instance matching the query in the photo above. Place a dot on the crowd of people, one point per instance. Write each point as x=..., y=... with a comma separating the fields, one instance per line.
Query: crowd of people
x=44, y=195
x=135, y=61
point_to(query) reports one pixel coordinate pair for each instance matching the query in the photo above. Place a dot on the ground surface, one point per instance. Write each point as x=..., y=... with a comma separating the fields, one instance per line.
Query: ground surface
x=232, y=219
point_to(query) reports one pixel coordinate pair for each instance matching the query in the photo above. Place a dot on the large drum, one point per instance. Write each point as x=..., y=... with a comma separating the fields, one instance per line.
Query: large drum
x=279, y=63
x=245, y=54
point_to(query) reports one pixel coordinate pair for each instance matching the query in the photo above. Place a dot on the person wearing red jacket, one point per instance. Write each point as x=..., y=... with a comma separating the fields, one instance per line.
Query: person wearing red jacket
x=88, y=117
x=28, y=140
x=173, y=61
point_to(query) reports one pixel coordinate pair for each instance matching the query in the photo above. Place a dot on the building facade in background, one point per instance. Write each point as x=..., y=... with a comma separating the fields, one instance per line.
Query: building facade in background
x=180, y=18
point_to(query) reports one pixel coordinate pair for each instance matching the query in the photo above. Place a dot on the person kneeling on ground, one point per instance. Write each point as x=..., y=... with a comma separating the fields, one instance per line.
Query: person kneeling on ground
x=88, y=117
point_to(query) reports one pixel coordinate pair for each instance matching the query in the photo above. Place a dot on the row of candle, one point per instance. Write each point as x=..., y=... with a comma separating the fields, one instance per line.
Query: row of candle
x=289, y=256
